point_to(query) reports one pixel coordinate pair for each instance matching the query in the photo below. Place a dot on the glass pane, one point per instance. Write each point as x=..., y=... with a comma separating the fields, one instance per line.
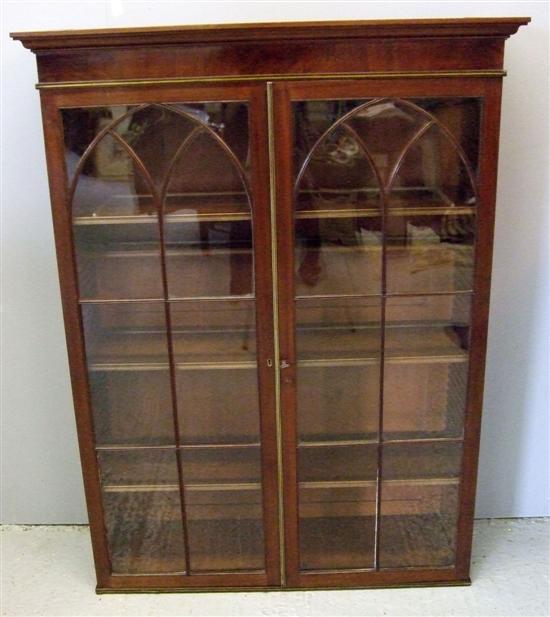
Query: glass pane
x=115, y=220
x=225, y=528
x=338, y=330
x=338, y=274
x=208, y=225
x=214, y=334
x=223, y=496
x=219, y=405
x=416, y=161
x=461, y=117
x=337, y=525
x=338, y=217
x=427, y=328
x=432, y=167
x=338, y=402
x=128, y=335
x=338, y=256
x=427, y=254
x=208, y=259
x=185, y=166
x=337, y=462
x=426, y=366
x=142, y=511
x=385, y=126
x=132, y=407
x=419, y=504
x=337, y=492
x=129, y=378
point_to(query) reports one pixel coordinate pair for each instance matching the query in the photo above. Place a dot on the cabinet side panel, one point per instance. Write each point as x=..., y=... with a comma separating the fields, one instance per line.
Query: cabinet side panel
x=54, y=144
x=488, y=162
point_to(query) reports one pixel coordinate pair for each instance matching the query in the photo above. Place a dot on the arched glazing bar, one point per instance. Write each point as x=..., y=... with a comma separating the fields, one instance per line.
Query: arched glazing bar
x=431, y=120
x=91, y=146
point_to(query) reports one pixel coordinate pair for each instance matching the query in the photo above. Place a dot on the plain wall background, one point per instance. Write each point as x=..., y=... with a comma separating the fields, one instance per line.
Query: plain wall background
x=40, y=466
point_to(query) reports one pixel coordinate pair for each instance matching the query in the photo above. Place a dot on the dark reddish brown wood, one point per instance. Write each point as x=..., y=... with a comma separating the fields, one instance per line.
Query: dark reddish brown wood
x=487, y=186
x=55, y=157
x=259, y=187
x=488, y=89
x=287, y=325
x=404, y=48
x=264, y=326
x=272, y=58
x=225, y=33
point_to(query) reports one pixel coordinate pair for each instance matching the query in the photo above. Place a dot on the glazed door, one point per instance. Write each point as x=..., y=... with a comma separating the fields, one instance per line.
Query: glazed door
x=378, y=201
x=169, y=214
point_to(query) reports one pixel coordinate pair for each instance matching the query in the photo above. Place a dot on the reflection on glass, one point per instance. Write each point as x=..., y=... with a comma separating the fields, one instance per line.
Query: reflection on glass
x=162, y=217
x=426, y=365
x=118, y=335
x=427, y=328
x=142, y=511
x=419, y=504
x=124, y=162
x=219, y=405
x=337, y=492
x=213, y=333
x=127, y=354
x=211, y=253
x=338, y=329
x=207, y=259
x=354, y=391
x=385, y=205
x=132, y=407
x=223, y=495
x=225, y=528
x=430, y=254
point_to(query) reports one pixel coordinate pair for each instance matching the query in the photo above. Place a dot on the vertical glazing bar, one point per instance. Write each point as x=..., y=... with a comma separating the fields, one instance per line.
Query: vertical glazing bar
x=383, y=204
x=168, y=320
x=276, y=354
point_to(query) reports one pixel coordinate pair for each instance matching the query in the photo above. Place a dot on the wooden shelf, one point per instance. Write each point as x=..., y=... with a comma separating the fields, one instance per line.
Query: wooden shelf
x=218, y=348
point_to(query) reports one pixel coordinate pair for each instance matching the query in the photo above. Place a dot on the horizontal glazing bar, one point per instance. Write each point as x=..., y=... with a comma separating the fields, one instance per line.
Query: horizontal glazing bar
x=134, y=447
x=216, y=446
x=373, y=212
x=201, y=446
x=372, y=483
x=444, y=359
x=366, y=442
x=337, y=443
x=336, y=296
x=153, y=219
x=220, y=249
x=419, y=294
x=120, y=300
x=243, y=298
x=150, y=488
x=159, y=366
x=140, y=488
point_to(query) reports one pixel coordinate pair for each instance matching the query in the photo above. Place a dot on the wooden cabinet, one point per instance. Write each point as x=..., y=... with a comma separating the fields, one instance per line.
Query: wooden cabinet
x=274, y=246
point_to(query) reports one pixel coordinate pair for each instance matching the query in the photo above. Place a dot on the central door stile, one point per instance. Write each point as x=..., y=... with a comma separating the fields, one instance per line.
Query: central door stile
x=276, y=345
x=281, y=151
x=265, y=267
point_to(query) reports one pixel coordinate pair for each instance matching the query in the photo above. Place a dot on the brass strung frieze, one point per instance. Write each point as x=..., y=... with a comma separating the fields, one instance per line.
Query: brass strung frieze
x=116, y=83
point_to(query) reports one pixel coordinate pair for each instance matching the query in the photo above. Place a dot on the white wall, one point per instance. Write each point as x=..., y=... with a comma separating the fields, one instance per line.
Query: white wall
x=41, y=472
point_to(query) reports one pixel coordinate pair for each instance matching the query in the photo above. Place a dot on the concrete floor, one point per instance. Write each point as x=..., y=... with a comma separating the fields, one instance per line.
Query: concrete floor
x=47, y=570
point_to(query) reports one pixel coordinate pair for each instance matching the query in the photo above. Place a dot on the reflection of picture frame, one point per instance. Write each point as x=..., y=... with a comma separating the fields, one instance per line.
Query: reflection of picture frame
x=110, y=159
